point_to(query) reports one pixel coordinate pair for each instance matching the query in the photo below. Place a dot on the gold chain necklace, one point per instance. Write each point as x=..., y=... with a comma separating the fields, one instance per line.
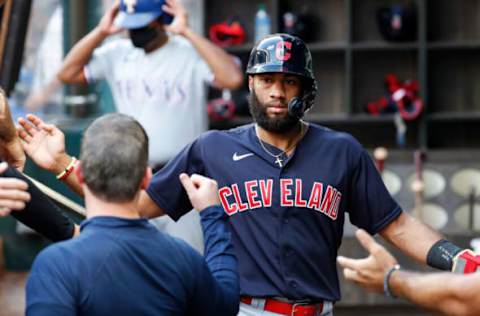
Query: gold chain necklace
x=279, y=161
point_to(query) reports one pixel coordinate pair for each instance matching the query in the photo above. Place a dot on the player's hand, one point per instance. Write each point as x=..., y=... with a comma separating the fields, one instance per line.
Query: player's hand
x=106, y=25
x=202, y=191
x=179, y=25
x=43, y=143
x=13, y=193
x=368, y=272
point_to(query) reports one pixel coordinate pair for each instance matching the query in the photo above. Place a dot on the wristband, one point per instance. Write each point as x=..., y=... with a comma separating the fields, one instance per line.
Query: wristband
x=441, y=255
x=68, y=170
x=386, y=280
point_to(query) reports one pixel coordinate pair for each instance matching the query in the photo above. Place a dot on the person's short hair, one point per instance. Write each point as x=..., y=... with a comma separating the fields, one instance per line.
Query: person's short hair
x=114, y=157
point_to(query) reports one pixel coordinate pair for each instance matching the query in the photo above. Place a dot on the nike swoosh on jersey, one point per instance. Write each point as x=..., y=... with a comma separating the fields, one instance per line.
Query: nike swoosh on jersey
x=237, y=157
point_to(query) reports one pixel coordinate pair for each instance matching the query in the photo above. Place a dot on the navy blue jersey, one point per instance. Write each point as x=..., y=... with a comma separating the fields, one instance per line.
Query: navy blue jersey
x=287, y=222
x=120, y=266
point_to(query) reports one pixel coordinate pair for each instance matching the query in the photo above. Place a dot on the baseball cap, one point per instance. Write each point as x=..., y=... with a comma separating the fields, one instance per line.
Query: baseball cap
x=139, y=13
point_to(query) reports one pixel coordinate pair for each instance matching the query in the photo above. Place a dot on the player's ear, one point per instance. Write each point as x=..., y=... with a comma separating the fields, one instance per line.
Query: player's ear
x=250, y=83
x=146, y=179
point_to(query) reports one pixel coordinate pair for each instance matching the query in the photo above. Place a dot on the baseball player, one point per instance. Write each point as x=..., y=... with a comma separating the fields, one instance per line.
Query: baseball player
x=121, y=264
x=447, y=293
x=286, y=185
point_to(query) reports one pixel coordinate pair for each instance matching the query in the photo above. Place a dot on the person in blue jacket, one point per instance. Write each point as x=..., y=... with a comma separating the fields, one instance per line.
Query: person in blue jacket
x=122, y=265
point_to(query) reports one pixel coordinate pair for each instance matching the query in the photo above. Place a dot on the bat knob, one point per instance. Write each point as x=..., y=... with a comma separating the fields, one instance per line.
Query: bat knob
x=418, y=186
x=380, y=153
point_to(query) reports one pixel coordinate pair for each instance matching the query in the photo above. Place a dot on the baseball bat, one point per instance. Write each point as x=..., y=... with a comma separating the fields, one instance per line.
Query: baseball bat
x=59, y=198
x=418, y=185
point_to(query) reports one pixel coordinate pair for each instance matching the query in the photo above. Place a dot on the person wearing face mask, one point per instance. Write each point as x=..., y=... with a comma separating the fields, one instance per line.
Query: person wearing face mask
x=158, y=75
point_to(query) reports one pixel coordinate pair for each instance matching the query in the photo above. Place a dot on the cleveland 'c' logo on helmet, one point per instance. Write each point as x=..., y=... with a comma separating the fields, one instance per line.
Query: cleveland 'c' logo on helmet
x=283, y=50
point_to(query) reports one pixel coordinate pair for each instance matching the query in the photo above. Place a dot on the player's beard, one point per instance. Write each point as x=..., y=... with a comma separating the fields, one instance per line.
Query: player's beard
x=275, y=125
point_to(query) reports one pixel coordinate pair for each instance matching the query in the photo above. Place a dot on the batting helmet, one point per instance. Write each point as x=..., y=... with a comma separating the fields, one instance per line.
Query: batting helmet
x=135, y=14
x=286, y=53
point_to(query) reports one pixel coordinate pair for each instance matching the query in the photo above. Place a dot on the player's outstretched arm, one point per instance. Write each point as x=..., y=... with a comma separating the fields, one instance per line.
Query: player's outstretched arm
x=411, y=236
x=45, y=145
x=221, y=281
x=227, y=72
x=447, y=293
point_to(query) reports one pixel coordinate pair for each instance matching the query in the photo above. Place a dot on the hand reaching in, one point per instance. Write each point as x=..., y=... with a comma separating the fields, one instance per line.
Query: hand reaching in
x=202, y=191
x=43, y=143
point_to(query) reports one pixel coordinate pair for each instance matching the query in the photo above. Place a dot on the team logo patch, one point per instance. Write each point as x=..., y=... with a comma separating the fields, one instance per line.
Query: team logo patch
x=130, y=4
x=283, y=51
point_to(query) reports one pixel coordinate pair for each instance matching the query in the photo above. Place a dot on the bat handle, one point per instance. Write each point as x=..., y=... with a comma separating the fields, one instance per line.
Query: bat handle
x=418, y=158
x=380, y=154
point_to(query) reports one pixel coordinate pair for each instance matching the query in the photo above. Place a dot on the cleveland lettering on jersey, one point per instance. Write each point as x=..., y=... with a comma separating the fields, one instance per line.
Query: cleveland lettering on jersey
x=258, y=194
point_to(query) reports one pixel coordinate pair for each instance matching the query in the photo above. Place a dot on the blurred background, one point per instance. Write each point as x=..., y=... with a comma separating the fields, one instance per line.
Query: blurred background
x=402, y=76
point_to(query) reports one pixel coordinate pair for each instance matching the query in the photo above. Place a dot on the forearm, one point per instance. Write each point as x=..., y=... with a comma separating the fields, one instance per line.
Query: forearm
x=227, y=72
x=220, y=257
x=147, y=207
x=447, y=293
x=79, y=56
x=411, y=236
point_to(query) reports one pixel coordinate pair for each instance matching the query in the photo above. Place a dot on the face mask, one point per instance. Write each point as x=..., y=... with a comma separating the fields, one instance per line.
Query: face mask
x=143, y=36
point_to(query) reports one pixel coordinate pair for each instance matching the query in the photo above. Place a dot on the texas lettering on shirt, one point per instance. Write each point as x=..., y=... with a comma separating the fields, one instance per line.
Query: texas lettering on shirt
x=321, y=198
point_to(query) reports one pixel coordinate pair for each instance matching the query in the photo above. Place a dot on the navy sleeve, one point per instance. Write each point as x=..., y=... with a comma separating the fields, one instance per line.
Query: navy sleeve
x=217, y=290
x=41, y=213
x=48, y=292
x=370, y=205
x=165, y=188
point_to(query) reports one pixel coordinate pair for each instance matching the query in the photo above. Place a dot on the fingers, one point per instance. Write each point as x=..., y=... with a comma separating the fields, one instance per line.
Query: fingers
x=13, y=195
x=9, y=205
x=4, y=211
x=367, y=241
x=168, y=9
x=187, y=184
x=3, y=167
x=12, y=184
x=24, y=135
x=28, y=127
x=39, y=123
x=351, y=275
x=198, y=180
x=350, y=263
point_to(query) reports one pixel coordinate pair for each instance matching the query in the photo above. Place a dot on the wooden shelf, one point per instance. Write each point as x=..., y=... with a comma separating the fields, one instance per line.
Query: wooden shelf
x=454, y=117
x=473, y=44
x=349, y=119
x=351, y=59
x=382, y=45
x=326, y=46
x=239, y=49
